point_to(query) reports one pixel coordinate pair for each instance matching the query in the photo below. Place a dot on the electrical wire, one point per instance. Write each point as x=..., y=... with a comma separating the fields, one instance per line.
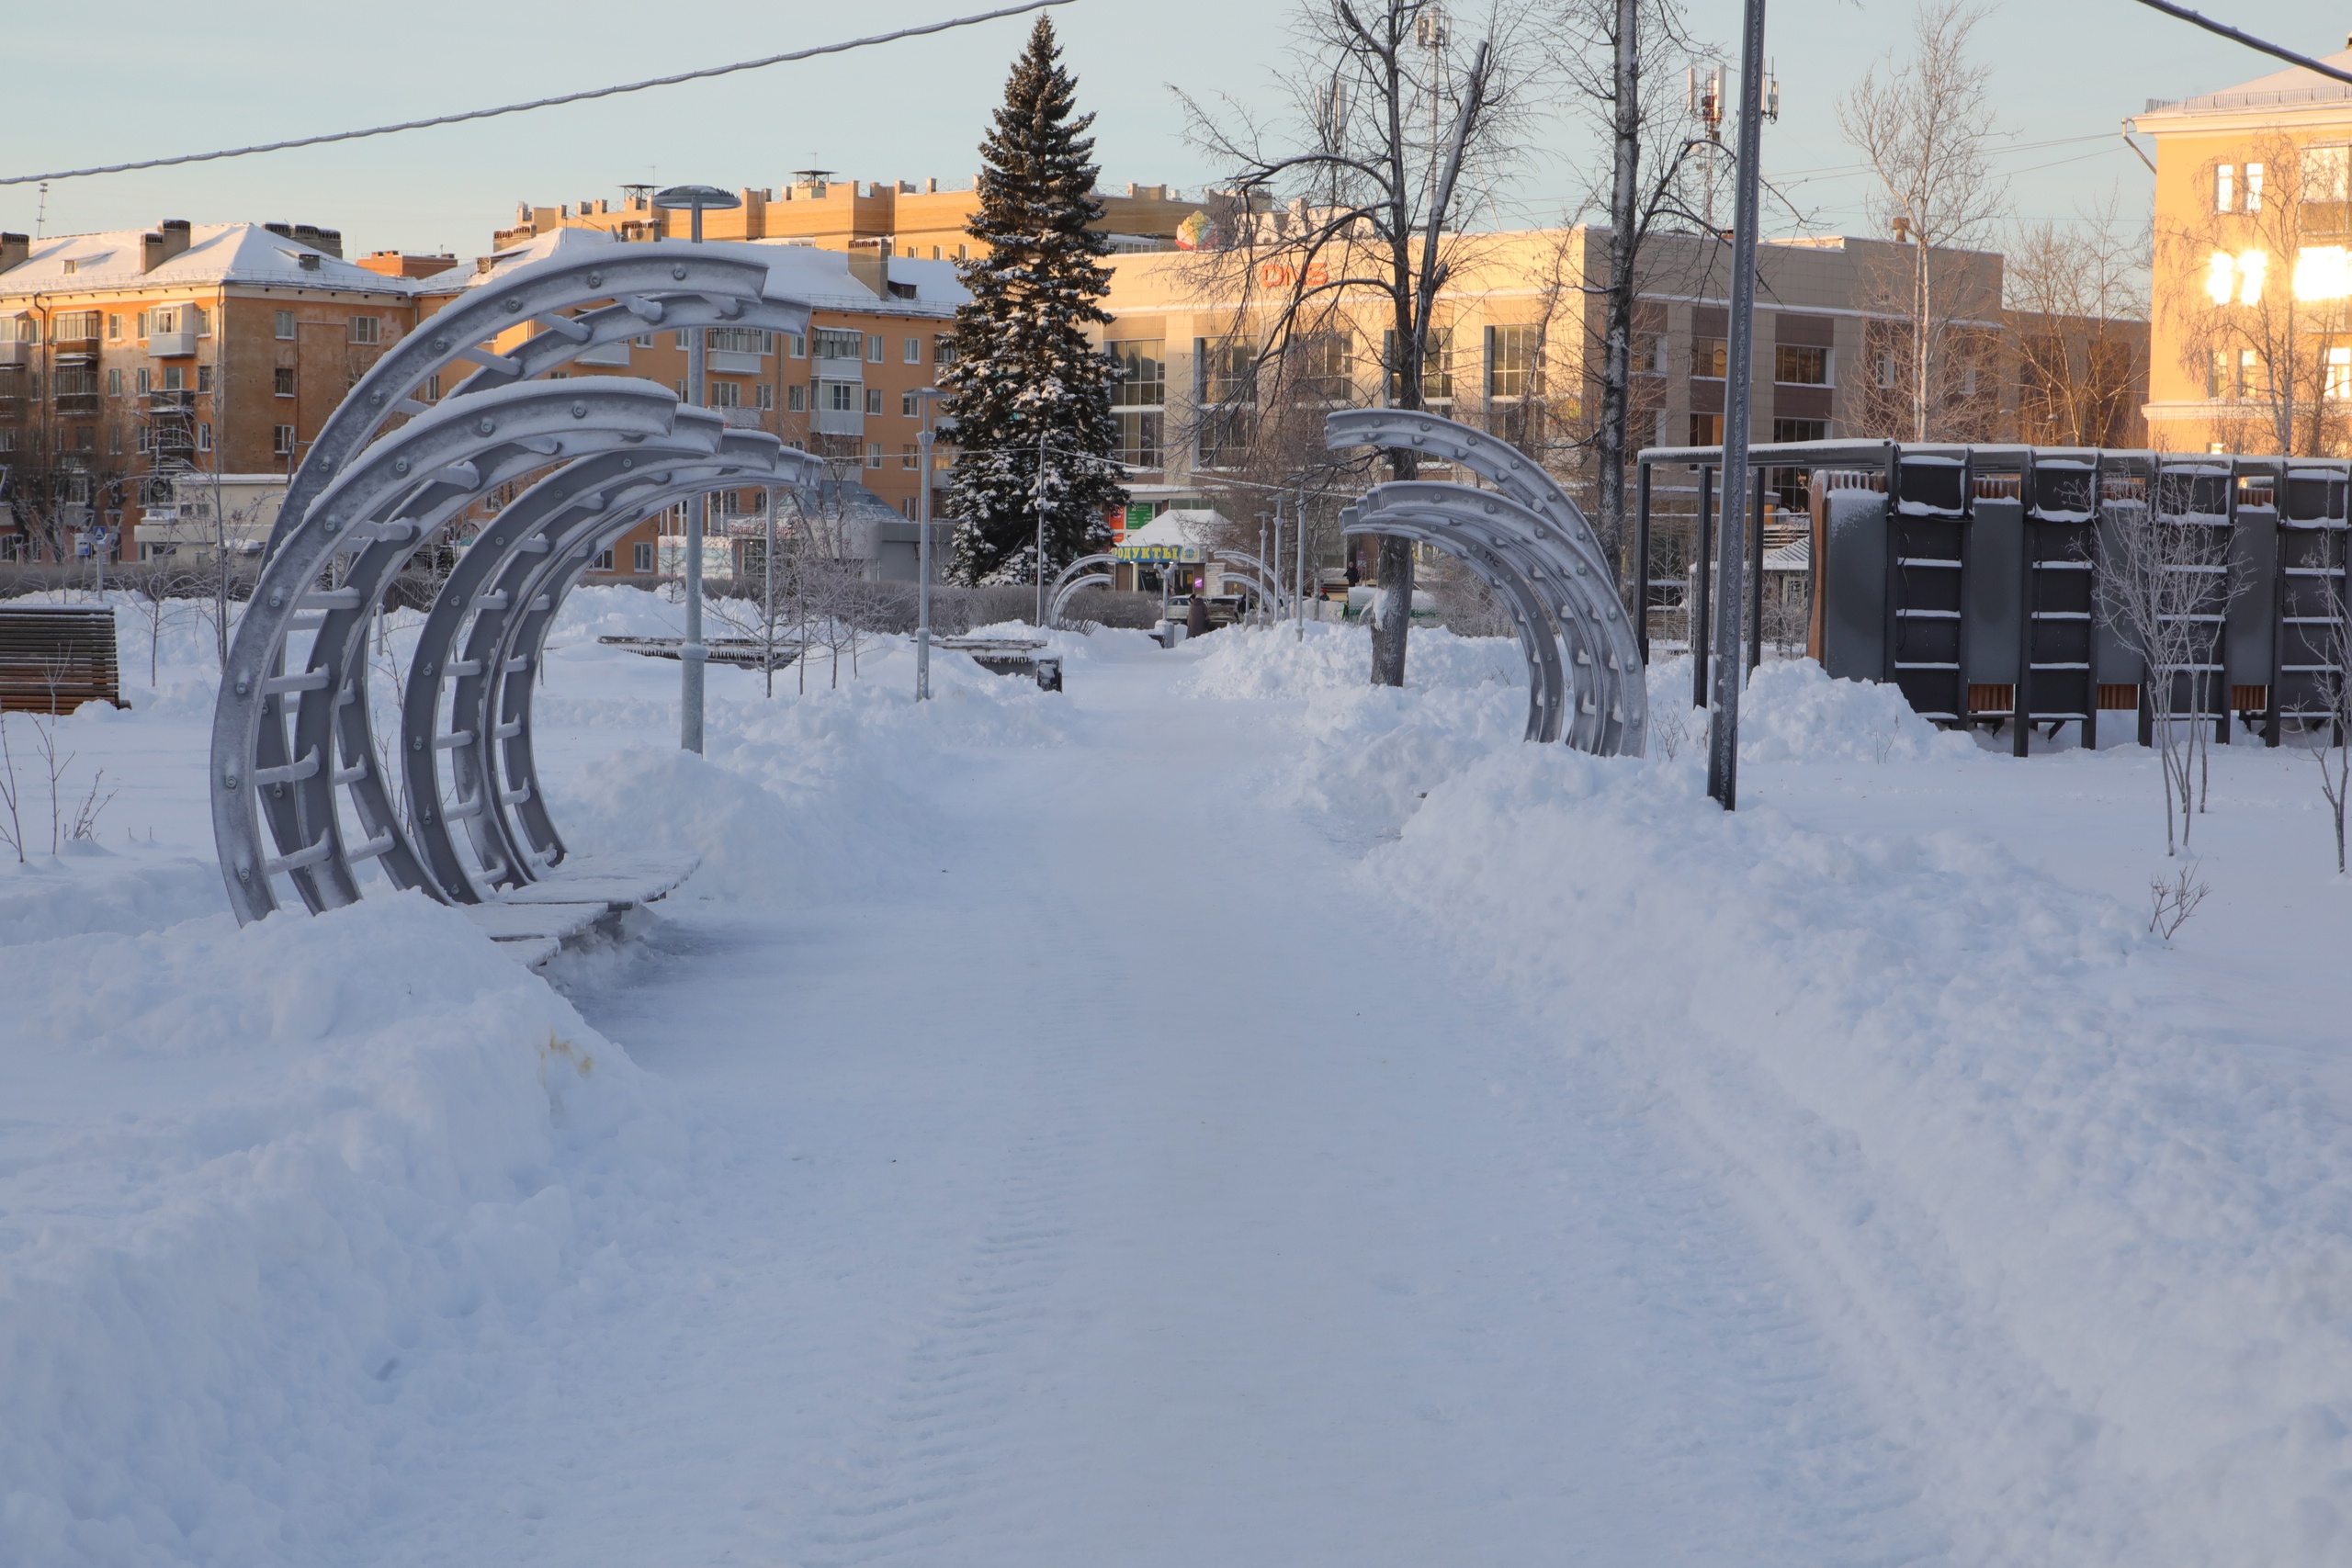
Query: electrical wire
x=2265, y=46
x=542, y=102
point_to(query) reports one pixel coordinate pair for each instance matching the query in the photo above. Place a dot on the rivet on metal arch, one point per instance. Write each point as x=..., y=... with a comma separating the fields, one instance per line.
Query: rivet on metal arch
x=1530, y=542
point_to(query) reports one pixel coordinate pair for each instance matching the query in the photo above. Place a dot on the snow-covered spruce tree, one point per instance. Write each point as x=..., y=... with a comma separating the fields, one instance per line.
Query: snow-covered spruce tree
x=1023, y=367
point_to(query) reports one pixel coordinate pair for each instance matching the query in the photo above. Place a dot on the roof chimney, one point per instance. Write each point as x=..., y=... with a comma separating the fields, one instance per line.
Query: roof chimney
x=169, y=238
x=327, y=240
x=14, y=249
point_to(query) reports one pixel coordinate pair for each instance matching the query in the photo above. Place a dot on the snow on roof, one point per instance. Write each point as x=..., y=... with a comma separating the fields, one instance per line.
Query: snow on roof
x=2295, y=84
x=217, y=254
x=823, y=279
x=1177, y=526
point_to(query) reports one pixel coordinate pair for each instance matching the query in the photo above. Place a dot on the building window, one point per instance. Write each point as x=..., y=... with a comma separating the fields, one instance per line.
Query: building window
x=281, y=440
x=2225, y=187
x=840, y=396
x=934, y=253
x=1794, y=364
x=764, y=396
x=725, y=395
x=114, y=328
x=204, y=378
x=835, y=343
x=795, y=345
x=963, y=252
x=203, y=437
x=1800, y=430
x=874, y=349
x=796, y=399
x=907, y=504
x=1226, y=436
x=642, y=340
x=1140, y=371
x=604, y=561
x=908, y=456
x=1511, y=367
x=283, y=382
x=114, y=383
x=366, y=329
x=679, y=387
x=85, y=438
x=433, y=388
x=909, y=406
x=74, y=326
x=1437, y=365
x=175, y=379
x=873, y=454
x=873, y=400
x=2253, y=187
x=114, y=440
x=681, y=337
x=1138, y=437
x=913, y=350
x=285, y=320
x=1710, y=357
x=641, y=559
x=1228, y=370
x=1706, y=430
x=942, y=350
x=146, y=380
x=2339, y=373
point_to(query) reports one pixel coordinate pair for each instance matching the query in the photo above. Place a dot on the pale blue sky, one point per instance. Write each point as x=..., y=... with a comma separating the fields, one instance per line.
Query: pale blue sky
x=159, y=78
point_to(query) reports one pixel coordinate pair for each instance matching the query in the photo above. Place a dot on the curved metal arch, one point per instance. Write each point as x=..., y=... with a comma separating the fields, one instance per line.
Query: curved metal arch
x=1070, y=590
x=1498, y=462
x=366, y=518
x=1547, y=684
x=1608, y=711
x=649, y=281
x=1259, y=571
x=1072, y=569
x=527, y=525
x=492, y=698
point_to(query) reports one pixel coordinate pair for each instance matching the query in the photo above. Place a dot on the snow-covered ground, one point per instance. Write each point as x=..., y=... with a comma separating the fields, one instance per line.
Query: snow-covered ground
x=1218, y=1114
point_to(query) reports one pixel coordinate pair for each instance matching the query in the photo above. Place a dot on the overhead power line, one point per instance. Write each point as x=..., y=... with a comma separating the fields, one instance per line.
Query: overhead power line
x=2227, y=31
x=542, y=102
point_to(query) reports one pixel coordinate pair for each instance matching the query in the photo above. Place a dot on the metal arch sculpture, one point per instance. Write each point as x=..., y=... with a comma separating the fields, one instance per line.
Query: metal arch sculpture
x=664, y=284
x=1070, y=590
x=1529, y=540
x=1061, y=583
x=604, y=452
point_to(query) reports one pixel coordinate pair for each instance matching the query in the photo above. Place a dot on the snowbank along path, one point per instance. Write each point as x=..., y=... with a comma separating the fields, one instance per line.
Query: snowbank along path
x=1222, y=1113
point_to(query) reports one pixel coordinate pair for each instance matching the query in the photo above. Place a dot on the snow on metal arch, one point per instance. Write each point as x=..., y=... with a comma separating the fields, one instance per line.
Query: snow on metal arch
x=1529, y=541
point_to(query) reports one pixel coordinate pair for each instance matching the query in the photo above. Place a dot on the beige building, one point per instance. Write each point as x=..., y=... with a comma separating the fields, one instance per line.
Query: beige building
x=2252, y=349
x=902, y=219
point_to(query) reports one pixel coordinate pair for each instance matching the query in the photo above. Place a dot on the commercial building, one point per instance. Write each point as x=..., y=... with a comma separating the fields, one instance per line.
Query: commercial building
x=2252, y=344
x=131, y=359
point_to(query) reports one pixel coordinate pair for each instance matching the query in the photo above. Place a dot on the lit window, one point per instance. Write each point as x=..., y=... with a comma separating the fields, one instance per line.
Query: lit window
x=2324, y=272
x=2226, y=188
x=2339, y=373
x=908, y=456
x=2252, y=265
x=2220, y=277
x=2240, y=276
x=2253, y=187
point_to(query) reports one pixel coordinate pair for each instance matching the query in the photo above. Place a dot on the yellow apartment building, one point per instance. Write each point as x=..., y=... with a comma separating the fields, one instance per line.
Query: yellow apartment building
x=904, y=219
x=131, y=359
x=2252, y=351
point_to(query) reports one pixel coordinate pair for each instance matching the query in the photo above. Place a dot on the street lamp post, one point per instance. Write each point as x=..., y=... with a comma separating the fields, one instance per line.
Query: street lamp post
x=1041, y=530
x=692, y=653
x=929, y=396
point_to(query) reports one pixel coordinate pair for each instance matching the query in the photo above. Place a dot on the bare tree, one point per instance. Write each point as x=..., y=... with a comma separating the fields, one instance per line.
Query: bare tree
x=1925, y=128
x=2268, y=354
x=2329, y=734
x=1400, y=128
x=2076, y=298
x=2165, y=585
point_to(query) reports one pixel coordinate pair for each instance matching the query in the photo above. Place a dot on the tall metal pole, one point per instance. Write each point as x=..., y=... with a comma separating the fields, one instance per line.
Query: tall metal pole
x=691, y=651
x=1756, y=580
x=1697, y=612
x=1261, y=543
x=1298, y=557
x=1731, y=544
x=922, y=549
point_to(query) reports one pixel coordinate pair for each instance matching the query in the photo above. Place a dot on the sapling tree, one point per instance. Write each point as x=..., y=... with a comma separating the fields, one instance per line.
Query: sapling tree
x=2328, y=735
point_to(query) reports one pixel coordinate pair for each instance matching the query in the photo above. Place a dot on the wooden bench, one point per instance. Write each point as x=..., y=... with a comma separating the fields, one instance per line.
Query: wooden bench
x=55, y=657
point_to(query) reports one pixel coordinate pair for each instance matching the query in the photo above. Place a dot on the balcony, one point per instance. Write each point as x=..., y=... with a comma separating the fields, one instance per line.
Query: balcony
x=608, y=355
x=164, y=397
x=741, y=418
x=731, y=362
x=17, y=355
x=171, y=346
x=837, y=422
x=77, y=402
x=841, y=369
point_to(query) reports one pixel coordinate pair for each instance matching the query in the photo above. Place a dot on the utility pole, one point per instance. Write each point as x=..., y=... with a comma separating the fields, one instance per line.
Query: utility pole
x=1731, y=543
x=692, y=653
x=1299, y=554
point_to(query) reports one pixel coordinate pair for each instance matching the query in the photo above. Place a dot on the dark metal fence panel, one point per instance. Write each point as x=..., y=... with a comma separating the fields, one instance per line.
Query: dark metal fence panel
x=55, y=657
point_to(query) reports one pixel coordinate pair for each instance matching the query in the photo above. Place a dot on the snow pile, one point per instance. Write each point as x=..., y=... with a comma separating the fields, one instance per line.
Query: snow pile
x=337, y=1165
x=2102, y=1277
x=1254, y=663
x=92, y=889
x=796, y=794
x=1791, y=711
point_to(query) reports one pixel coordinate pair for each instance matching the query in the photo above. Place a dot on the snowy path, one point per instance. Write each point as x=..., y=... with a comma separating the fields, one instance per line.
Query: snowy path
x=1073, y=1210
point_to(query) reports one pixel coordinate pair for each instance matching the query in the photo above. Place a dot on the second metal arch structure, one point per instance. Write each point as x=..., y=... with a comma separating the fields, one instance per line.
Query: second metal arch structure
x=1528, y=541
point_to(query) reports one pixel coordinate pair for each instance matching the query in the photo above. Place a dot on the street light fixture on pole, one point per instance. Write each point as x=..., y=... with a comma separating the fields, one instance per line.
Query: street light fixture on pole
x=692, y=653
x=929, y=396
x=1731, y=545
